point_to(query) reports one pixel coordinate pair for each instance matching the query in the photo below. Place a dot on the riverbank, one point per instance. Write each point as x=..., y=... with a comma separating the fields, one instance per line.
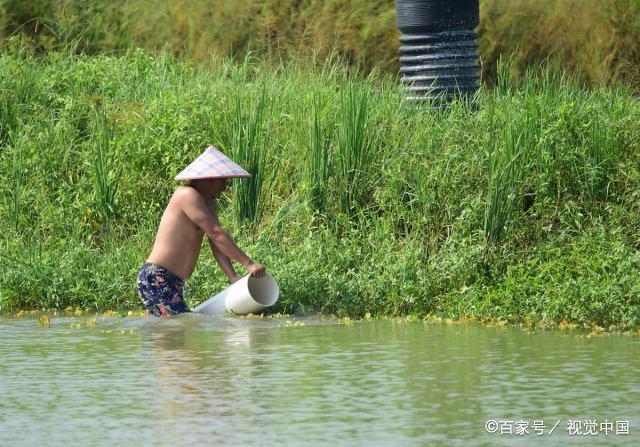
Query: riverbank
x=526, y=209
x=78, y=318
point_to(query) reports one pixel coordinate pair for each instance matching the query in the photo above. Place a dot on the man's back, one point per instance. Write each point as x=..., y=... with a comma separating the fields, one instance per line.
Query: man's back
x=179, y=239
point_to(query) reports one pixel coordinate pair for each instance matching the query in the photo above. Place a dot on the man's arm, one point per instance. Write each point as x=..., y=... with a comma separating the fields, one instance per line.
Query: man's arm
x=195, y=207
x=225, y=263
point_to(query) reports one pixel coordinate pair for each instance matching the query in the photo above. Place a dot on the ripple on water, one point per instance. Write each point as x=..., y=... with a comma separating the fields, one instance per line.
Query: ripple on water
x=237, y=381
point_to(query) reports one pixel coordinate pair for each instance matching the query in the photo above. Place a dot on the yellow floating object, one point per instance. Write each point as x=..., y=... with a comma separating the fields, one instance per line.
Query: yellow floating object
x=43, y=320
x=347, y=321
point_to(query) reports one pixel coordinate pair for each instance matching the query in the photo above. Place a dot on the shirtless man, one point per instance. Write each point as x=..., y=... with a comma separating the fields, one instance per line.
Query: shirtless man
x=190, y=215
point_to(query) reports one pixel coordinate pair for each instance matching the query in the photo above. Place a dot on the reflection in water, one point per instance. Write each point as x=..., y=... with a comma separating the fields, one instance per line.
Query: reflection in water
x=204, y=380
x=204, y=375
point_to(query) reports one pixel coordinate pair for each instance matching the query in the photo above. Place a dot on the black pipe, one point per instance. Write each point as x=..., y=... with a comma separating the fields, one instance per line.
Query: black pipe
x=438, y=56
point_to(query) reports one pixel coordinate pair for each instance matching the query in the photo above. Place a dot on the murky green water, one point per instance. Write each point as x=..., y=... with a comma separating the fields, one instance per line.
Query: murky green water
x=202, y=380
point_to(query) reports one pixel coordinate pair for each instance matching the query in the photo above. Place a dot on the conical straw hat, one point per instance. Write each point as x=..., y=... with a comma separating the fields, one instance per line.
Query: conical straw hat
x=212, y=164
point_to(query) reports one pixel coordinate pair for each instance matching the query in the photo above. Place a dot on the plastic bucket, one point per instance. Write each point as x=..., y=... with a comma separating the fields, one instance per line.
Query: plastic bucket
x=248, y=295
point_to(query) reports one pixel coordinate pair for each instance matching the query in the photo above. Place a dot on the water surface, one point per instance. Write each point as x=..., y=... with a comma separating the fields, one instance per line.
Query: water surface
x=203, y=380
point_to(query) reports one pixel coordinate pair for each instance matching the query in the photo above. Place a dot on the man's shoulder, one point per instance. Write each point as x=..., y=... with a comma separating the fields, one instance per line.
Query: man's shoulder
x=187, y=193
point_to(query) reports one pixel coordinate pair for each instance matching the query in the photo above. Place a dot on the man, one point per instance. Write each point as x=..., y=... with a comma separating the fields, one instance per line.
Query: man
x=190, y=215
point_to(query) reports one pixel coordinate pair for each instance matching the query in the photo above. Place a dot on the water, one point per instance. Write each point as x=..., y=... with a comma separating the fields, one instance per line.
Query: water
x=203, y=380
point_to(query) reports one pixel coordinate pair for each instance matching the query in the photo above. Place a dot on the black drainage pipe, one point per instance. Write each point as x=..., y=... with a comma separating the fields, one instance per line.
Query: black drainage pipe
x=438, y=56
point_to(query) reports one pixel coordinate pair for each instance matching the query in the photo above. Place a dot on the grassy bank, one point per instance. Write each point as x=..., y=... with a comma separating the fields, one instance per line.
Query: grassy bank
x=526, y=208
x=598, y=41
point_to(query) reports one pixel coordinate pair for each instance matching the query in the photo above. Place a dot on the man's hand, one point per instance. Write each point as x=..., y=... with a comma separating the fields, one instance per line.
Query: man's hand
x=234, y=278
x=256, y=270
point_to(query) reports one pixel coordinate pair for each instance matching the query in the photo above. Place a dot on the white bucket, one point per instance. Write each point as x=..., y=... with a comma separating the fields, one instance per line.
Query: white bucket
x=248, y=295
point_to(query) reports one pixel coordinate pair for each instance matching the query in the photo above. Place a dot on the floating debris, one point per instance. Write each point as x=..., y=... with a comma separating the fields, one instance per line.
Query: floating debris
x=43, y=320
x=346, y=321
x=564, y=325
x=407, y=319
x=125, y=332
x=432, y=318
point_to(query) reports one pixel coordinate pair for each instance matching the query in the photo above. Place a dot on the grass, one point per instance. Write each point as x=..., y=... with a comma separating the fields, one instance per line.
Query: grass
x=356, y=148
x=249, y=152
x=17, y=172
x=524, y=208
x=319, y=166
x=106, y=176
x=597, y=41
x=504, y=170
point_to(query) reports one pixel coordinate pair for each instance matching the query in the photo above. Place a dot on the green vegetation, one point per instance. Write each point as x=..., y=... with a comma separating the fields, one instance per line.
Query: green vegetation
x=527, y=208
x=105, y=182
x=599, y=41
x=318, y=168
x=355, y=149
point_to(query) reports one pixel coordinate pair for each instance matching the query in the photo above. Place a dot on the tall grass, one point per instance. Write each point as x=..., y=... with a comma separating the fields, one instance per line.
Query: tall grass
x=17, y=174
x=356, y=148
x=319, y=165
x=606, y=150
x=8, y=114
x=249, y=152
x=596, y=40
x=105, y=173
x=504, y=172
x=602, y=151
x=17, y=91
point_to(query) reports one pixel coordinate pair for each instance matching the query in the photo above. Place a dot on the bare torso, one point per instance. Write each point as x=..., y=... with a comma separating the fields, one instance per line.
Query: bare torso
x=179, y=239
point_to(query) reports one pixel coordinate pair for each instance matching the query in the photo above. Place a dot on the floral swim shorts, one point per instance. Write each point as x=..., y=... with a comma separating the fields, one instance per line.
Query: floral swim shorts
x=160, y=291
